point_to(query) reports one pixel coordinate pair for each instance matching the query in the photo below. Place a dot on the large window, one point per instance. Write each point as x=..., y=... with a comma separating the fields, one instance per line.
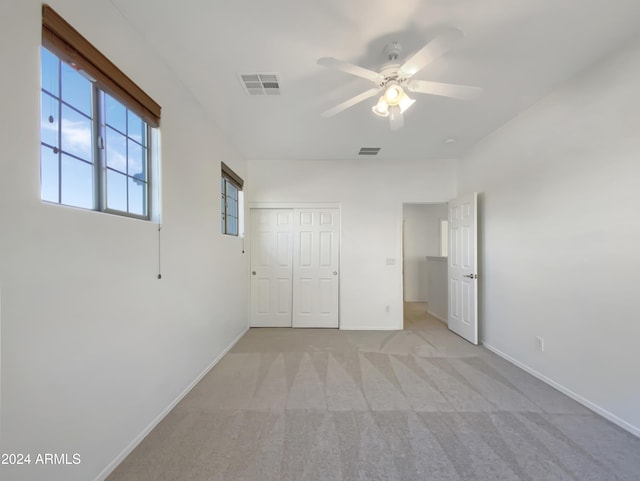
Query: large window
x=96, y=127
x=231, y=189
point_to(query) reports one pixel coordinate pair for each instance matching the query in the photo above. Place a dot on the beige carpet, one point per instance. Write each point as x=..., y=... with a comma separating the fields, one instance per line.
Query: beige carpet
x=419, y=404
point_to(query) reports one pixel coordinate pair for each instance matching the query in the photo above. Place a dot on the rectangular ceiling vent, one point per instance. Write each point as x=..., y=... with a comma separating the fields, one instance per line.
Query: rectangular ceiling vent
x=369, y=150
x=261, y=83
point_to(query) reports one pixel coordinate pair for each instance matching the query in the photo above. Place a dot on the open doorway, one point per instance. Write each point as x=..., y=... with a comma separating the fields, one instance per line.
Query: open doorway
x=424, y=263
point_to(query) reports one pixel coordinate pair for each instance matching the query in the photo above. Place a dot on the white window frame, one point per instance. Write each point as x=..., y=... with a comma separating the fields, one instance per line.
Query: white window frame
x=229, y=177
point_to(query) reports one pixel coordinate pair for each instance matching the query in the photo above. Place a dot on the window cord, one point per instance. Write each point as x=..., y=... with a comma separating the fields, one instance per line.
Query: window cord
x=159, y=252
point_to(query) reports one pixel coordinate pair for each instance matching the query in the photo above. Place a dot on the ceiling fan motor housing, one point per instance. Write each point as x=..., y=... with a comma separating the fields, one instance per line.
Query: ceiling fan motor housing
x=391, y=74
x=391, y=69
x=392, y=51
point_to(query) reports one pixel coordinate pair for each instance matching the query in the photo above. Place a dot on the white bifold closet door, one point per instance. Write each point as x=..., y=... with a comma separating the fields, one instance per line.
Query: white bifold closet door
x=294, y=267
x=271, y=267
x=315, y=268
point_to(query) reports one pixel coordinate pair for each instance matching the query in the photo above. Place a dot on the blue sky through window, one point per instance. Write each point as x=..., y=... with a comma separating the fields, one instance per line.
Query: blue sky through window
x=66, y=124
x=70, y=132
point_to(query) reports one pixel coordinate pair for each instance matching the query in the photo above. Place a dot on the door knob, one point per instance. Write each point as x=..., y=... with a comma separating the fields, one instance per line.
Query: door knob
x=335, y=273
x=471, y=276
x=253, y=273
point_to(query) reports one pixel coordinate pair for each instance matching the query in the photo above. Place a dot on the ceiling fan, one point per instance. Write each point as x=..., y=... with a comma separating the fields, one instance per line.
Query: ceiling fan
x=394, y=78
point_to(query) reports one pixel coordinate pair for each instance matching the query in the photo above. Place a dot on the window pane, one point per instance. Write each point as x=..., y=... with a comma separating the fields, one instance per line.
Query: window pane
x=222, y=225
x=48, y=113
x=136, y=128
x=232, y=190
x=116, y=150
x=137, y=197
x=136, y=160
x=77, y=183
x=48, y=174
x=76, y=90
x=116, y=191
x=76, y=134
x=232, y=207
x=49, y=71
x=115, y=114
x=232, y=225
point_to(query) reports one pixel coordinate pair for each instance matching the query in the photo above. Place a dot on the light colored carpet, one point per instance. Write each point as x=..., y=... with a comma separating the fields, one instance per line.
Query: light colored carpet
x=419, y=404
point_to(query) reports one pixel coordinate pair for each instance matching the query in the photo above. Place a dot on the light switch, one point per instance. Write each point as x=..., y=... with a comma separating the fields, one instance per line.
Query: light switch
x=391, y=261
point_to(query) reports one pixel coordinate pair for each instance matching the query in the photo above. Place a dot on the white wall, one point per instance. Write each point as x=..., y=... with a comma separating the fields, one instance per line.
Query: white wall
x=371, y=194
x=560, y=230
x=438, y=302
x=421, y=239
x=94, y=347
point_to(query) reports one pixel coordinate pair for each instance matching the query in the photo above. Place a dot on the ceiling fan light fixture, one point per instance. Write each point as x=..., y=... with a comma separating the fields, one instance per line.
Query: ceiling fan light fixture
x=381, y=109
x=395, y=107
x=393, y=94
x=396, y=119
x=405, y=102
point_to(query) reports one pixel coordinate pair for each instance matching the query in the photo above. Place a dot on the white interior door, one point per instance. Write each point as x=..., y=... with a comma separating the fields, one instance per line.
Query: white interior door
x=463, y=267
x=271, y=267
x=315, y=267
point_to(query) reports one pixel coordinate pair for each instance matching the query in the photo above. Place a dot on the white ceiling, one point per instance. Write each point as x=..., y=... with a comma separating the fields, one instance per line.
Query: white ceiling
x=516, y=50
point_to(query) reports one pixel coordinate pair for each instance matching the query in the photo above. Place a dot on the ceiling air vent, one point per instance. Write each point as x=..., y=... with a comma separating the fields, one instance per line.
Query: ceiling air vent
x=369, y=150
x=261, y=83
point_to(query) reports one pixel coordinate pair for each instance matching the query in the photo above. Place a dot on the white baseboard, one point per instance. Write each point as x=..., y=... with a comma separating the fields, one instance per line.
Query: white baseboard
x=576, y=397
x=437, y=317
x=138, y=439
x=370, y=328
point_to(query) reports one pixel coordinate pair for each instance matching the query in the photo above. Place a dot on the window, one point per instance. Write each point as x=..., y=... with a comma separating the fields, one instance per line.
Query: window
x=231, y=192
x=96, y=127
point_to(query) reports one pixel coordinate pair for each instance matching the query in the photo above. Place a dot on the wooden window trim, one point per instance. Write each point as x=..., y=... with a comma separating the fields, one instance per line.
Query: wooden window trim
x=232, y=176
x=70, y=46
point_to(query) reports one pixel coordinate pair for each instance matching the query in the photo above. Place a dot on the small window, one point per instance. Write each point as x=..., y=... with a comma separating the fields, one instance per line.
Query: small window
x=96, y=127
x=231, y=207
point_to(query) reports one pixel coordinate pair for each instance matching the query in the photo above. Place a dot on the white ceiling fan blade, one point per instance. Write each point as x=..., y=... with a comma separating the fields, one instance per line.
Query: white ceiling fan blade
x=349, y=68
x=350, y=102
x=463, y=92
x=431, y=51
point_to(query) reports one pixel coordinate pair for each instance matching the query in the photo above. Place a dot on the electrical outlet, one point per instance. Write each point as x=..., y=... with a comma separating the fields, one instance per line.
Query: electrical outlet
x=540, y=344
